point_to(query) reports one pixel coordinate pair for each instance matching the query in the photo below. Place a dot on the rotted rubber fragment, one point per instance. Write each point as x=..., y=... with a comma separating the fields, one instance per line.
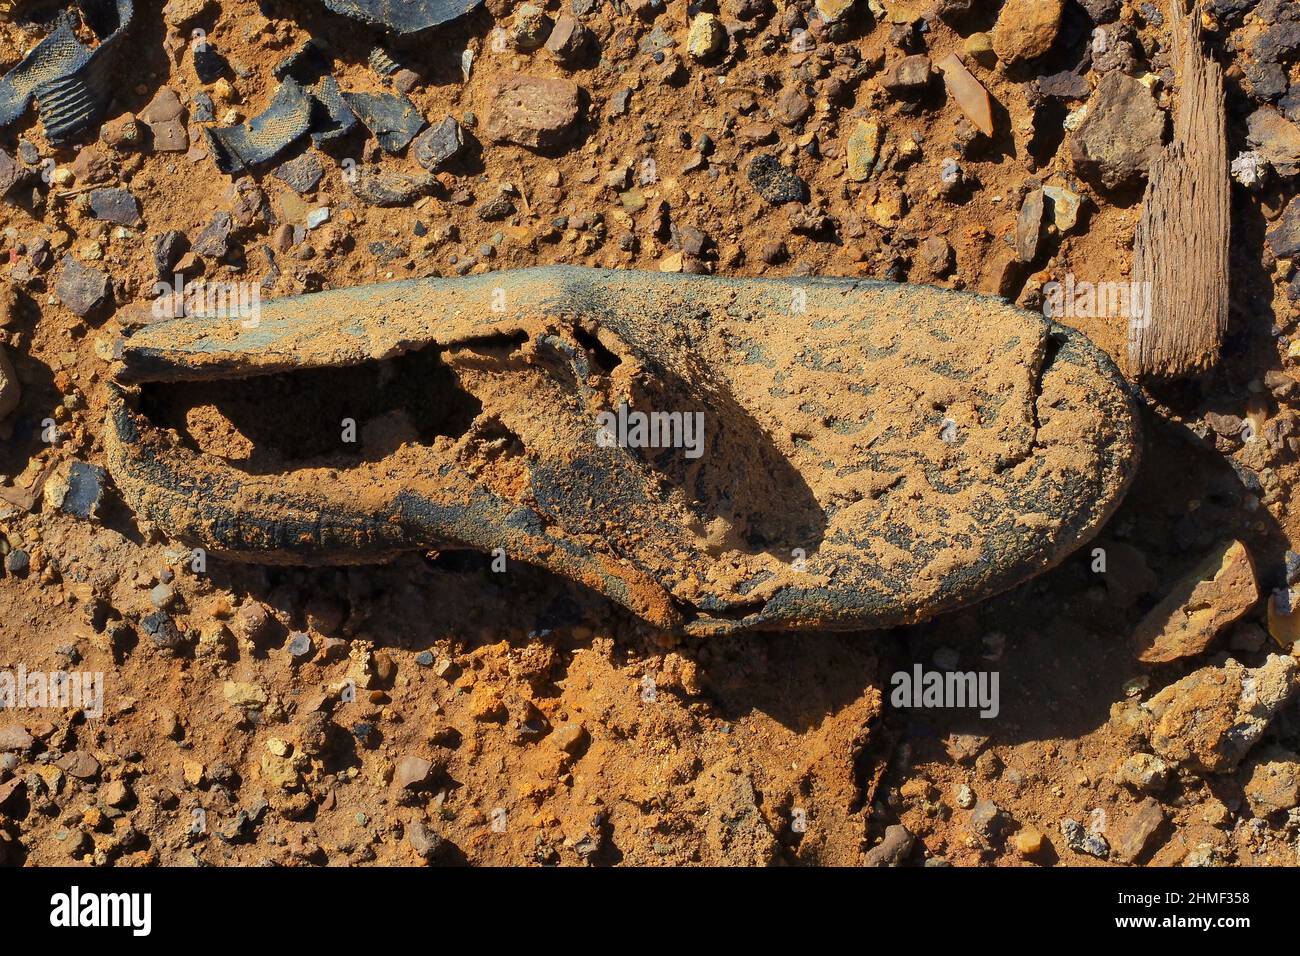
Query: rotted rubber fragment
x=403, y=16
x=70, y=82
x=236, y=149
x=845, y=454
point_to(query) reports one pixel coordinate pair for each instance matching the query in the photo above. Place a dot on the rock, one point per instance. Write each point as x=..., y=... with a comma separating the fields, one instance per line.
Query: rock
x=214, y=241
x=1120, y=136
x=1026, y=29
x=910, y=76
x=706, y=37
x=115, y=205
x=988, y=823
x=531, y=111
x=165, y=117
x=422, y=840
x=529, y=28
x=82, y=289
x=1284, y=235
x=209, y=65
x=377, y=187
x=968, y=93
x=245, y=696
x=774, y=182
x=1082, y=841
x=1145, y=772
x=1136, y=832
x=1273, y=784
x=412, y=772
x=936, y=256
x=14, y=738
x=569, y=737
x=1102, y=11
x=569, y=40
x=253, y=622
x=1028, y=842
x=439, y=144
x=1062, y=207
x=1211, y=718
x=1029, y=226
x=495, y=209
x=181, y=13
x=302, y=174
x=122, y=133
x=78, y=491
x=91, y=166
x=1215, y=594
x=115, y=794
x=162, y=631
x=167, y=249
x=893, y=849
x=832, y=10
x=1066, y=85
x=1276, y=139
x=10, y=389
x=79, y=764
x=863, y=148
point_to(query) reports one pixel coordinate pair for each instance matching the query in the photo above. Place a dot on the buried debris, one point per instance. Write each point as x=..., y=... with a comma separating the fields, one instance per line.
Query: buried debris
x=552, y=432
x=70, y=82
x=403, y=16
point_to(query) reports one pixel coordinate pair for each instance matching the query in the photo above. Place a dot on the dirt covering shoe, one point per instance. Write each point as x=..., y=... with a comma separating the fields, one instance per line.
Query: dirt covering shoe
x=713, y=454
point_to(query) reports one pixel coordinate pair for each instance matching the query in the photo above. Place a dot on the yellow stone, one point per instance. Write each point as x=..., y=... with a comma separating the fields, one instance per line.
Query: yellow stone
x=1028, y=841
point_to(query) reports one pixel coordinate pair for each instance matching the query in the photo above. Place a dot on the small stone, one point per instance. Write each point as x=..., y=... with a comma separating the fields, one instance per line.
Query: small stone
x=1145, y=772
x=892, y=850
x=115, y=205
x=1121, y=134
x=378, y=187
x=569, y=40
x=318, y=217
x=162, y=596
x=529, y=28
x=214, y=241
x=412, y=772
x=774, y=182
x=1062, y=207
x=936, y=256
x=439, y=144
x=15, y=739
x=165, y=118
x=965, y=797
x=1029, y=226
x=300, y=646
x=497, y=208
x=422, y=840
x=1284, y=235
x=115, y=794
x=167, y=249
x=82, y=289
x=1276, y=139
x=1274, y=783
x=392, y=119
x=302, y=174
x=910, y=76
x=979, y=47
x=424, y=659
x=253, y=622
x=1213, y=595
x=78, y=491
x=1026, y=29
x=122, y=133
x=706, y=37
x=246, y=696
x=968, y=93
x=1081, y=841
x=531, y=111
x=80, y=764
x=1138, y=830
x=209, y=65
x=162, y=631
x=863, y=148
x=988, y=823
x=569, y=737
x=17, y=562
x=1028, y=841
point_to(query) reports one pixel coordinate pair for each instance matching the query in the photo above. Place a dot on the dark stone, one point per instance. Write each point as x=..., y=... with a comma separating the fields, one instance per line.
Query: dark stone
x=161, y=629
x=85, y=490
x=82, y=289
x=209, y=65
x=202, y=109
x=1065, y=85
x=167, y=249
x=384, y=189
x=439, y=144
x=1284, y=236
x=774, y=182
x=115, y=205
x=496, y=208
x=302, y=174
x=214, y=241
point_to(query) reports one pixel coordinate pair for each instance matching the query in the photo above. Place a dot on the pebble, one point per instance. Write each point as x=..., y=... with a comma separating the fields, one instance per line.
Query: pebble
x=531, y=111
x=14, y=738
x=1213, y=595
x=1062, y=207
x=122, y=132
x=422, y=840
x=17, y=562
x=1028, y=841
x=300, y=646
x=968, y=93
x=165, y=118
x=1145, y=772
x=936, y=256
x=78, y=491
x=1135, y=835
x=988, y=823
x=162, y=596
x=529, y=28
x=80, y=764
x=439, y=144
x=1284, y=235
x=159, y=627
x=1029, y=226
x=82, y=289
x=863, y=149
x=706, y=37
x=1026, y=29
x=318, y=217
x=569, y=737
x=1273, y=784
x=910, y=76
x=1081, y=841
x=167, y=249
x=1120, y=135
x=214, y=241
x=774, y=182
x=1276, y=139
x=569, y=40
x=115, y=793
x=115, y=205
x=411, y=772
x=965, y=797
x=893, y=849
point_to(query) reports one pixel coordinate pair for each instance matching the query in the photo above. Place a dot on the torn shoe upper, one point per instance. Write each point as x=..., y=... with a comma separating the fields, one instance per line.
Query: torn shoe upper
x=69, y=81
x=872, y=454
x=403, y=16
